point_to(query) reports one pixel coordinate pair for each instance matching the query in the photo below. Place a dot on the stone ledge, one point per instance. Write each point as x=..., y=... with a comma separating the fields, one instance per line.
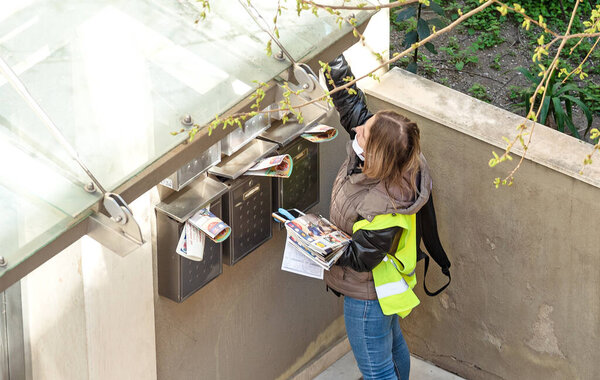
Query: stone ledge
x=485, y=122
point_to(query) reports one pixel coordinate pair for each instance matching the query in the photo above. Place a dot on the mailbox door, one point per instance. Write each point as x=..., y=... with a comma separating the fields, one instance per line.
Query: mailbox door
x=301, y=189
x=249, y=208
x=196, y=274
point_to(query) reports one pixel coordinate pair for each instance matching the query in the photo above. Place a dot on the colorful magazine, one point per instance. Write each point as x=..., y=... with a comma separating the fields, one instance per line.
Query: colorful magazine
x=318, y=235
x=320, y=133
x=277, y=166
x=212, y=226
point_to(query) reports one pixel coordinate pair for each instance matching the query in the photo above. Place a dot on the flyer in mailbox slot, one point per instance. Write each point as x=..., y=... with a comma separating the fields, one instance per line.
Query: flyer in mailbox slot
x=212, y=226
x=276, y=166
x=320, y=133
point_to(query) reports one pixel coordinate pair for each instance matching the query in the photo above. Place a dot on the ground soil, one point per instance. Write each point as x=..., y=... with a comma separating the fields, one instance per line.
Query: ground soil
x=514, y=52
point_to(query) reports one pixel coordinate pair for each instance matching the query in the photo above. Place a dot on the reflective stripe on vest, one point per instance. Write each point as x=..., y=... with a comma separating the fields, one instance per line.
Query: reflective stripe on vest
x=394, y=277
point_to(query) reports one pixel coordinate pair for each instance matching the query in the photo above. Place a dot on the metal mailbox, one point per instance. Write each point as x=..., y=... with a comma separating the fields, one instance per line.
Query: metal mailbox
x=247, y=209
x=301, y=189
x=193, y=169
x=247, y=205
x=237, y=139
x=179, y=277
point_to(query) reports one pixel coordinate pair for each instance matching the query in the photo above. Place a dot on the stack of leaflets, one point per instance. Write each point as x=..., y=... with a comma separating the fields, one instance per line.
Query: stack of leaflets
x=317, y=238
x=320, y=133
x=193, y=237
x=277, y=166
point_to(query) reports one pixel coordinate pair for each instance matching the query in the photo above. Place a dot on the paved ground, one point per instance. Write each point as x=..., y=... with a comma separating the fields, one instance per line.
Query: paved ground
x=346, y=369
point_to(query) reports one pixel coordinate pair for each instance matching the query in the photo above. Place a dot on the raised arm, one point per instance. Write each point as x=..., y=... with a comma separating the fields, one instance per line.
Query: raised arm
x=352, y=108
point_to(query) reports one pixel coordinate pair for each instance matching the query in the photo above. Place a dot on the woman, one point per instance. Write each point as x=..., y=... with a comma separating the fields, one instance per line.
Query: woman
x=377, y=193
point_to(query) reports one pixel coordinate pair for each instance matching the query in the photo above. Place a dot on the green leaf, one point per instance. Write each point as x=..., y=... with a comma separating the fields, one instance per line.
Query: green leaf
x=436, y=8
x=437, y=22
x=569, y=108
x=406, y=13
x=544, y=111
x=459, y=65
x=559, y=113
x=412, y=67
x=568, y=87
x=429, y=46
x=528, y=75
x=571, y=126
x=410, y=38
x=584, y=108
x=422, y=29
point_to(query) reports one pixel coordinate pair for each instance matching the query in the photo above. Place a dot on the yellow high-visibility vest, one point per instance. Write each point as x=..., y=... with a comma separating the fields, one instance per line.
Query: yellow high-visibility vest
x=395, y=276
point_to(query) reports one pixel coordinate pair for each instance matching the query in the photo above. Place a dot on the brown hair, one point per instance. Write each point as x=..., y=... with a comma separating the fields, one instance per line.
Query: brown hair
x=393, y=151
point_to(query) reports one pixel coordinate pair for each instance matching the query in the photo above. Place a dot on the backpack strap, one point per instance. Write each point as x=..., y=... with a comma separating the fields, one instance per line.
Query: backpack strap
x=427, y=231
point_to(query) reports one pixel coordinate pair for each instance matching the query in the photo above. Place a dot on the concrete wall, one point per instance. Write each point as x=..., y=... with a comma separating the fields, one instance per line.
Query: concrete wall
x=88, y=313
x=524, y=301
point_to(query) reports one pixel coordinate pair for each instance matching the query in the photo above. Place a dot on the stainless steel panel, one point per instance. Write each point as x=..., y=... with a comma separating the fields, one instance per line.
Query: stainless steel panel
x=284, y=134
x=178, y=277
x=242, y=136
x=183, y=204
x=190, y=171
x=247, y=208
x=301, y=189
x=234, y=166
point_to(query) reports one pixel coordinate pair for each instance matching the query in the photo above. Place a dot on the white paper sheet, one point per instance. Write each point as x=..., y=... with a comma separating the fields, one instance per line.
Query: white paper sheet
x=194, y=241
x=296, y=262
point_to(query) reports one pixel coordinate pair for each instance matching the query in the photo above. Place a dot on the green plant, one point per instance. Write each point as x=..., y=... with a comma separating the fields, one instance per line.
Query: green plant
x=422, y=28
x=489, y=38
x=445, y=81
x=459, y=57
x=479, y=91
x=592, y=97
x=496, y=63
x=556, y=109
x=518, y=93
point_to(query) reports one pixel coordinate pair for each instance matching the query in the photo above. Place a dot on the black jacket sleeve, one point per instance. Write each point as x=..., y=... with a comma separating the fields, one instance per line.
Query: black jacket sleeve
x=368, y=248
x=427, y=230
x=352, y=107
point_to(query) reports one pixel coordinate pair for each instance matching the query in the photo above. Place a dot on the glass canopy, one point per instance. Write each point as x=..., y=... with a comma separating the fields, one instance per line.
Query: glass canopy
x=116, y=77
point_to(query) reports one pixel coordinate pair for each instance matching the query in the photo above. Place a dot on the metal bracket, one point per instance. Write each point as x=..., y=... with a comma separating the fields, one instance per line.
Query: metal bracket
x=120, y=233
x=111, y=235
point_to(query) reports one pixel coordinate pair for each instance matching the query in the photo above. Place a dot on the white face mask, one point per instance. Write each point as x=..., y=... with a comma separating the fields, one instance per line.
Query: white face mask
x=357, y=149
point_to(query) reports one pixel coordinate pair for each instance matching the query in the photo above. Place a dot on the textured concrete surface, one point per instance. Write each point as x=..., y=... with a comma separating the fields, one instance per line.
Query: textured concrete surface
x=346, y=368
x=524, y=301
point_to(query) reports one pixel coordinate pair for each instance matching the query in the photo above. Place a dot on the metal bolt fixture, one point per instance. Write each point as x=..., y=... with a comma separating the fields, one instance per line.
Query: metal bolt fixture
x=90, y=187
x=187, y=120
x=279, y=56
x=305, y=86
x=351, y=16
x=3, y=262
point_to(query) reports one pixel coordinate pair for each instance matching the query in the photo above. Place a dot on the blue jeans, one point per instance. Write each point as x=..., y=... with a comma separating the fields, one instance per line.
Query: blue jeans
x=376, y=340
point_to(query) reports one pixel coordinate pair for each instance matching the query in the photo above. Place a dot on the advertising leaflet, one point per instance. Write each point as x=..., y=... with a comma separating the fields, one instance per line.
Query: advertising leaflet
x=320, y=133
x=277, y=166
x=296, y=261
x=191, y=243
x=212, y=226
